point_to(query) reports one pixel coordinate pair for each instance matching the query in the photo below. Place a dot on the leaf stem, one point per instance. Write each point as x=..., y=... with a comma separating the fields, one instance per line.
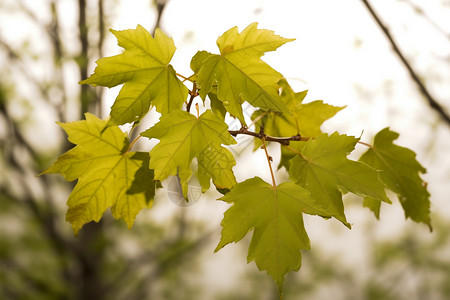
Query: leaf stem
x=365, y=144
x=258, y=118
x=293, y=150
x=261, y=135
x=269, y=161
x=184, y=78
x=132, y=143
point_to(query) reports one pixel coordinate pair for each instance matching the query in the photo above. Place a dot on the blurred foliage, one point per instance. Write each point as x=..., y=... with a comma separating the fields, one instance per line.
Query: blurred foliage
x=147, y=261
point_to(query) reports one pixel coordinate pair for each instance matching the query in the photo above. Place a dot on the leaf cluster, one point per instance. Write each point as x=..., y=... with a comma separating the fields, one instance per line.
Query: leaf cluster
x=110, y=175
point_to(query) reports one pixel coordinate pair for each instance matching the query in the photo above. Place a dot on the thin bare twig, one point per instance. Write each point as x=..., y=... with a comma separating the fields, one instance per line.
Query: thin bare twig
x=423, y=89
x=83, y=57
x=101, y=39
x=261, y=135
x=160, y=5
x=193, y=94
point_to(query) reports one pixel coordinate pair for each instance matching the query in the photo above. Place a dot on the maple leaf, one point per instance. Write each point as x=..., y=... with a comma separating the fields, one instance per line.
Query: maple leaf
x=238, y=73
x=144, y=68
x=275, y=215
x=108, y=175
x=182, y=137
x=400, y=170
x=322, y=167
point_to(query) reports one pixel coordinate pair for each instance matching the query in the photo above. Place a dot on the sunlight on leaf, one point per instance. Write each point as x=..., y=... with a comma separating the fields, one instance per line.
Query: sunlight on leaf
x=275, y=215
x=324, y=170
x=182, y=137
x=105, y=173
x=239, y=73
x=400, y=172
x=145, y=70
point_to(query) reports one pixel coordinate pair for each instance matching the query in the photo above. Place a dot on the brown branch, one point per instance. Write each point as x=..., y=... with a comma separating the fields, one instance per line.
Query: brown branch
x=85, y=93
x=160, y=5
x=261, y=135
x=193, y=94
x=54, y=34
x=431, y=101
x=101, y=39
x=101, y=27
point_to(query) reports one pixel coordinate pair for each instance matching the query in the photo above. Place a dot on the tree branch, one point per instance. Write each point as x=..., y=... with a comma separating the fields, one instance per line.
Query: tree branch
x=261, y=135
x=431, y=101
x=101, y=39
x=160, y=5
x=193, y=94
x=87, y=95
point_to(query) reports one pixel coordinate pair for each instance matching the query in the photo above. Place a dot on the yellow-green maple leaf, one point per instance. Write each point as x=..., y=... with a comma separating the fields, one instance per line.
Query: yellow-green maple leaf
x=238, y=73
x=322, y=168
x=146, y=73
x=275, y=215
x=400, y=171
x=182, y=137
x=108, y=175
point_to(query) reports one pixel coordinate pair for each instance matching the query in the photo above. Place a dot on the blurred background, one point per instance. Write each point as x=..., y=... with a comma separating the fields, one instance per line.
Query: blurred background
x=390, y=64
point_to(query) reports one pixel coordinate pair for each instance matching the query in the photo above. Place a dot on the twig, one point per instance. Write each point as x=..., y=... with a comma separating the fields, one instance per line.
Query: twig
x=101, y=39
x=193, y=94
x=83, y=56
x=262, y=135
x=160, y=5
x=431, y=101
x=132, y=143
x=182, y=77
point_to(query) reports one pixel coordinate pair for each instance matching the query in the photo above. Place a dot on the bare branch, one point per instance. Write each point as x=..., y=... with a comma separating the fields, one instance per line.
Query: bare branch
x=423, y=89
x=101, y=39
x=83, y=58
x=261, y=135
x=160, y=5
